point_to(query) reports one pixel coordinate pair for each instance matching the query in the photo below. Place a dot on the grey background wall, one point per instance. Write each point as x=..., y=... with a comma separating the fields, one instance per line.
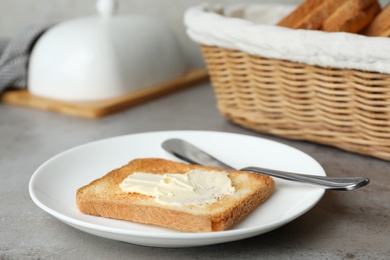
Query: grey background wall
x=17, y=14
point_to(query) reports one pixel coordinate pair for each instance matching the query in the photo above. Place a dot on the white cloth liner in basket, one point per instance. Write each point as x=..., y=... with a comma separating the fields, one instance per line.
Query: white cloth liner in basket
x=250, y=28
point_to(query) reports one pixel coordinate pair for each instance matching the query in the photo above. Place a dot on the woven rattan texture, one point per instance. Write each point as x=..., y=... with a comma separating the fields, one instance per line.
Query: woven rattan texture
x=345, y=108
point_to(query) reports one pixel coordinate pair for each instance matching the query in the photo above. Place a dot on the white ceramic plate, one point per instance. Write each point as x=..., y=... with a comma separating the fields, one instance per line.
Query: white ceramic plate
x=53, y=185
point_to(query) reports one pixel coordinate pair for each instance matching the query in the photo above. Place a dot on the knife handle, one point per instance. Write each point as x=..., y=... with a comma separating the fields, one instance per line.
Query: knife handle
x=330, y=183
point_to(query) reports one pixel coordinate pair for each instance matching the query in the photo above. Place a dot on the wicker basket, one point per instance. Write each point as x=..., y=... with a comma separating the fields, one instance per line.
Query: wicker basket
x=345, y=108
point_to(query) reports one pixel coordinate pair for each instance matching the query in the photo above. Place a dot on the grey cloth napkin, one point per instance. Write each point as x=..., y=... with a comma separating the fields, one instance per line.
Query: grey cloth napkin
x=3, y=43
x=15, y=57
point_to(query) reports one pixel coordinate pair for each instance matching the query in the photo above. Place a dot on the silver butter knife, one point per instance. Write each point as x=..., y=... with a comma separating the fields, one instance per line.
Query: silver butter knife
x=191, y=154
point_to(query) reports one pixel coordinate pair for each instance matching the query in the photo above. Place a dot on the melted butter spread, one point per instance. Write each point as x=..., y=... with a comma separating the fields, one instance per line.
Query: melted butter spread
x=193, y=187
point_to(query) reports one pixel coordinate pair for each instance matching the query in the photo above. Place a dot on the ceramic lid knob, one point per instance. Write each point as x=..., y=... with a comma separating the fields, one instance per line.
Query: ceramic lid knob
x=106, y=7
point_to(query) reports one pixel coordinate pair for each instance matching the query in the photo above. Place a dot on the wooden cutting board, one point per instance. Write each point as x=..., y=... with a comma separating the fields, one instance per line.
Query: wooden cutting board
x=96, y=109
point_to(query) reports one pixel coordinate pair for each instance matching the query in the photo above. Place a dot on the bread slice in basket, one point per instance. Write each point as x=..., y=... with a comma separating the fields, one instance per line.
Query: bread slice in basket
x=311, y=14
x=332, y=15
x=380, y=26
x=352, y=16
x=103, y=197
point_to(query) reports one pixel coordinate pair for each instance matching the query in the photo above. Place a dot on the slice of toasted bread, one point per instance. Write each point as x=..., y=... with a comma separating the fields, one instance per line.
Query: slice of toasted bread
x=103, y=197
x=380, y=25
x=311, y=14
x=352, y=16
x=294, y=18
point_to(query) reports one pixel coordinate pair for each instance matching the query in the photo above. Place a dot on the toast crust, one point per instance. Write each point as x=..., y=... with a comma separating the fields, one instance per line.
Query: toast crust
x=103, y=197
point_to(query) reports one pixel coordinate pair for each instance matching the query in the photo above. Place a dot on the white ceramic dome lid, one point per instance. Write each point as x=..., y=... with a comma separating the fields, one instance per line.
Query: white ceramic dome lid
x=105, y=56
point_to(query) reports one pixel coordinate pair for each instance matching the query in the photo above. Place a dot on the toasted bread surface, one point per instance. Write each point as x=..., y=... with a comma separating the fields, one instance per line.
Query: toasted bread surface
x=103, y=197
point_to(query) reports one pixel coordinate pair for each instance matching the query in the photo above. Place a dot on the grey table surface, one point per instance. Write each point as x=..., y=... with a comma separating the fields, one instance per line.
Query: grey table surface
x=343, y=225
